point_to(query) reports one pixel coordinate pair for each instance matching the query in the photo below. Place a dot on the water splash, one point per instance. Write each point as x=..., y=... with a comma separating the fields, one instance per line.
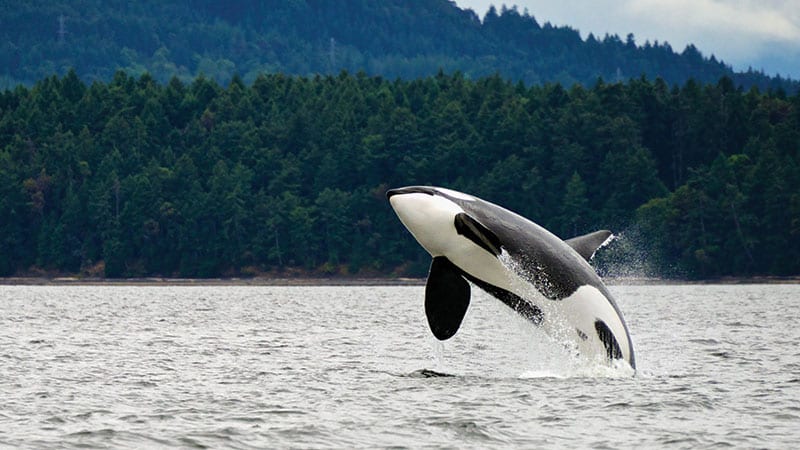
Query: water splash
x=553, y=344
x=631, y=256
x=507, y=345
x=437, y=354
x=617, y=369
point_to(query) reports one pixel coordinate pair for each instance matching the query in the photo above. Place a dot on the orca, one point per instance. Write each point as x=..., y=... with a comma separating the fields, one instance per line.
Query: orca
x=543, y=278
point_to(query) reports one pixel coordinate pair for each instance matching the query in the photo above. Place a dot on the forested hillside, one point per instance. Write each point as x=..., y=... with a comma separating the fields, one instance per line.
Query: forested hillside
x=134, y=177
x=391, y=38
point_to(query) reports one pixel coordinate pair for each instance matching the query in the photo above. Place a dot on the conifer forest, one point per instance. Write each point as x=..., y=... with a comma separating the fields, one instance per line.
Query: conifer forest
x=135, y=177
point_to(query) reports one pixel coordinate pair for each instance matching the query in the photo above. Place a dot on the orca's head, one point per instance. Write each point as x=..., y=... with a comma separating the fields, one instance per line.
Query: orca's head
x=436, y=219
x=428, y=215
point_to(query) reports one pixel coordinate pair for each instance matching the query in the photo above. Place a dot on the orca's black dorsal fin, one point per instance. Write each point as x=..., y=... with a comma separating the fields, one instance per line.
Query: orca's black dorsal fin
x=588, y=244
x=447, y=296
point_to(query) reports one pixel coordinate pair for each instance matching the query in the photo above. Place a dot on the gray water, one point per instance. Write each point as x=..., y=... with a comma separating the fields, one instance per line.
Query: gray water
x=243, y=367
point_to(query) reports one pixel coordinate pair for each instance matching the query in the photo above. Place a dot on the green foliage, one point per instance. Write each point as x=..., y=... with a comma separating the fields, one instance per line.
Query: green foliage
x=393, y=38
x=138, y=178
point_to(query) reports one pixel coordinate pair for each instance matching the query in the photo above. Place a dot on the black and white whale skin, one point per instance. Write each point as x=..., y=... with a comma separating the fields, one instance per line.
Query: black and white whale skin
x=545, y=279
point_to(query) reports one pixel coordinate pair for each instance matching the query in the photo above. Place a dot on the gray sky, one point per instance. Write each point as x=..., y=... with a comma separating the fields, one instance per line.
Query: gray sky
x=764, y=34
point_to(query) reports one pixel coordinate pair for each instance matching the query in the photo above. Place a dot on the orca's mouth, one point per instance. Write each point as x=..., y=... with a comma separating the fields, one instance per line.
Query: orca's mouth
x=410, y=190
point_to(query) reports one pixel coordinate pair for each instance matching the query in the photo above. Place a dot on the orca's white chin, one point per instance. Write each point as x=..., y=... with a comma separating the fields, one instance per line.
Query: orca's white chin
x=429, y=218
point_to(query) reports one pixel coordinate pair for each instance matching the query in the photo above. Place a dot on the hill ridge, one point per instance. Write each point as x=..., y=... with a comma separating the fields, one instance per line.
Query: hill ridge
x=391, y=38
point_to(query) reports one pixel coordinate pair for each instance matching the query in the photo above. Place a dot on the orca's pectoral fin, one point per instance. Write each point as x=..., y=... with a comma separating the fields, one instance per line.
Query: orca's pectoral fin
x=446, y=298
x=588, y=244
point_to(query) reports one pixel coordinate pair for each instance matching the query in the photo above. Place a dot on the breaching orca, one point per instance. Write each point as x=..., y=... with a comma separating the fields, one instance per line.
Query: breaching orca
x=544, y=279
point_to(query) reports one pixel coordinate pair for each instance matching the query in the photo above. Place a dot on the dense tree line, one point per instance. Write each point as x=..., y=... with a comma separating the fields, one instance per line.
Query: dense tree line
x=134, y=177
x=392, y=38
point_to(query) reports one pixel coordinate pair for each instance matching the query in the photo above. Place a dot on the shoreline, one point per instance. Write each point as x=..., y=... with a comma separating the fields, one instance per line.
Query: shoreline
x=234, y=281
x=343, y=281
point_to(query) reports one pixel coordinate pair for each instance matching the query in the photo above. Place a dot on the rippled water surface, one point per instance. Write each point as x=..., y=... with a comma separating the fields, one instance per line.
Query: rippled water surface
x=142, y=366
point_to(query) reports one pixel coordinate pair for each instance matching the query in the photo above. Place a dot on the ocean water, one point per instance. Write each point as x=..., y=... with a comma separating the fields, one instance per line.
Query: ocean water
x=318, y=367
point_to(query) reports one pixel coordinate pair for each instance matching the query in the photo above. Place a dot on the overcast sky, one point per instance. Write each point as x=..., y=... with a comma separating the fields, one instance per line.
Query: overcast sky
x=764, y=34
